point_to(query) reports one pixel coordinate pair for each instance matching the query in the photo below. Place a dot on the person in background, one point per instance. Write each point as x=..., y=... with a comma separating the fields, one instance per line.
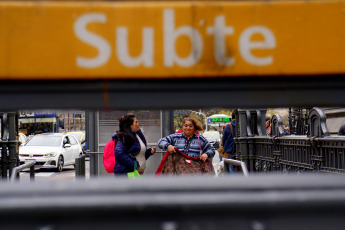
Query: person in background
x=221, y=148
x=131, y=147
x=268, y=125
x=188, y=141
x=222, y=130
x=286, y=130
x=342, y=130
x=229, y=147
x=179, y=131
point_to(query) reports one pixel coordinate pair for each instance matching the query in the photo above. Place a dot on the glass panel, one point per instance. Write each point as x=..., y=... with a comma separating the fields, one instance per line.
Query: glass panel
x=44, y=141
x=149, y=120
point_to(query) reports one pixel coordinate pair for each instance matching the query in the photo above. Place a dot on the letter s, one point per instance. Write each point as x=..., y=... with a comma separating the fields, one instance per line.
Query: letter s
x=101, y=44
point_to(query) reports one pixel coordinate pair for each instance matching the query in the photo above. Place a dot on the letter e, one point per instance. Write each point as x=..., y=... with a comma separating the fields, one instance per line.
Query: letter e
x=246, y=45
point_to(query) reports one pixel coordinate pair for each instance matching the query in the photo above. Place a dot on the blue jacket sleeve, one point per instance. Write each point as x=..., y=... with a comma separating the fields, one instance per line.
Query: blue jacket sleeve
x=148, y=153
x=122, y=156
x=166, y=141
x=207, y=147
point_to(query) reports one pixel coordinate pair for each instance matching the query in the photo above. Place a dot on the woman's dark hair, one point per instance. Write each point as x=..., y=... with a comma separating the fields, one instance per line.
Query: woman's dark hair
x=196, y=123
x=125, y=133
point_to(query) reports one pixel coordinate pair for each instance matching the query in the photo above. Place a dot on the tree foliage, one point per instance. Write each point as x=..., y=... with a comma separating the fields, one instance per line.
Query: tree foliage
x=196, y=113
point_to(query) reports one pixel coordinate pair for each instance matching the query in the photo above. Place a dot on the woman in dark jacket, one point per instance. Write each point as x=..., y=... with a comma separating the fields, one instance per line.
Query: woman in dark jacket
x=131, y=147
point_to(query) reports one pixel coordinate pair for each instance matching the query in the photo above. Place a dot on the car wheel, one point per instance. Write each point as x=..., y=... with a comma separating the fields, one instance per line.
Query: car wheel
x=60, y=164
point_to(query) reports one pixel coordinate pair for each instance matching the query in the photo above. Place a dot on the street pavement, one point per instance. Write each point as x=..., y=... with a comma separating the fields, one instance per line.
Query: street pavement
x=67, y=174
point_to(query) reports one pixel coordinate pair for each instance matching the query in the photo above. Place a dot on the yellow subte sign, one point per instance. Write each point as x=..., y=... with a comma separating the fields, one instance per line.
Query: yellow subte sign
x=112, y=40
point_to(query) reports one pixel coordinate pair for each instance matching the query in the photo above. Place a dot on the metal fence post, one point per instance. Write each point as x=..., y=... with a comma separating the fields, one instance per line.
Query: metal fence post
x=91, y=120
x=80, y=167
x=16, y=170
x=32, y=173
x=12, y=142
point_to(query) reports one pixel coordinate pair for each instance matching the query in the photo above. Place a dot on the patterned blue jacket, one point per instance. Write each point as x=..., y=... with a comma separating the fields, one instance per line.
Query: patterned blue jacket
x=181, y=142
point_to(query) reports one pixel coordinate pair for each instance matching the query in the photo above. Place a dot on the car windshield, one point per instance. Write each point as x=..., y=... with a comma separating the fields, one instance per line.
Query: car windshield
x=77, y=135
x=211, y=135
x=44, y=141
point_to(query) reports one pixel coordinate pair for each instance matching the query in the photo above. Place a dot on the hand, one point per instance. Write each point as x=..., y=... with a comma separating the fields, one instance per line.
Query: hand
x=204, y=157
x=153, y=150
x=171, y=149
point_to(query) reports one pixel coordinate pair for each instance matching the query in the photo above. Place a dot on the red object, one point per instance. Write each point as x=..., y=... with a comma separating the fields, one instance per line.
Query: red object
x=161, y=165
x=109, y=156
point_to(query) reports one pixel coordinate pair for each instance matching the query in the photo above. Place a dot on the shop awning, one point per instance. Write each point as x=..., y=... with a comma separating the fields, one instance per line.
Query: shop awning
x=38, y=120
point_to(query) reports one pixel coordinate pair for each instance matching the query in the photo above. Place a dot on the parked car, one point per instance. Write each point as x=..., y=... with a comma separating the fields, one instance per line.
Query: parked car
x=51, y=150
x=80, y=135
x=213, y=137
x=22, y=138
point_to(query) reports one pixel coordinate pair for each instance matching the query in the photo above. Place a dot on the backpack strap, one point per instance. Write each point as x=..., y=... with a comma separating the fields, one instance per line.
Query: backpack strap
x=232, y=130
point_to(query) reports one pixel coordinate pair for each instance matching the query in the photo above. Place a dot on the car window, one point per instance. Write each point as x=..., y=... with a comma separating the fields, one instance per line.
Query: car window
x=211, y=135
x=44, y=141
x=66, y=140
x=73, y=140
x=77, y=135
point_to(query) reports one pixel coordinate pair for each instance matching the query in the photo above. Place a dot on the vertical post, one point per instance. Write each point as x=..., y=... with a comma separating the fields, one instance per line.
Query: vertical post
x=82, y=121
x=12, y=142
x=69, y=121
x=74, y=121
x=92, y=140
x=80, y=167
x=167, y=122
x=244, y=145
x=32, y=173
x=57, y=123
x=64, y=122
x=4, y=146
x=261, y=121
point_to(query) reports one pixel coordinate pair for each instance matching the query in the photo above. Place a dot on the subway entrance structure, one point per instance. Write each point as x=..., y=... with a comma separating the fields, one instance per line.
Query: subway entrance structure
x=96, y=55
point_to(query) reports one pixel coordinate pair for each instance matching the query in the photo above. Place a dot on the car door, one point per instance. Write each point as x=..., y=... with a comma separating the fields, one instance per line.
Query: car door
x=68, y=155
x=75, y=146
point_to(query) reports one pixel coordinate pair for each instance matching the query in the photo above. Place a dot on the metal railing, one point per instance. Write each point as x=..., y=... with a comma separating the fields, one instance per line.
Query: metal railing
x=15, y=172
x=238, y=163
x=80, y=170
x=80, y=167
x=260, y=202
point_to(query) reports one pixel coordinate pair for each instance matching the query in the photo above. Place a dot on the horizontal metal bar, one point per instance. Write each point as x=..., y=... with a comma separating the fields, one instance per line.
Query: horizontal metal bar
x=93, y=153
x=20, y=168
x=252, y=92
x=238, y=163
x=272, y=202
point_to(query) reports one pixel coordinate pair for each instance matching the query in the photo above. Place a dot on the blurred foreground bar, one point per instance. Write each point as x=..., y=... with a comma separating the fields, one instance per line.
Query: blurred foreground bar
x=256, y=202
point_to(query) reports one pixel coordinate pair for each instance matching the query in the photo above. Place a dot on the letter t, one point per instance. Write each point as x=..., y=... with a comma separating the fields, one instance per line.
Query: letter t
x=220, y=30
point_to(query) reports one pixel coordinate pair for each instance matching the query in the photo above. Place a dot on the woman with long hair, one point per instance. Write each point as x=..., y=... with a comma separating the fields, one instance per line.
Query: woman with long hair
x=131, y=147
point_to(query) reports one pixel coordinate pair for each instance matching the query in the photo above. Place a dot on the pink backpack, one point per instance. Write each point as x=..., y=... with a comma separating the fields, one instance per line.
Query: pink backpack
x=109, y=156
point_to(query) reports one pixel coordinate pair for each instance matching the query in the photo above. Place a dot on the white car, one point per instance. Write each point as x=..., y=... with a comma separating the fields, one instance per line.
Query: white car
x=51, y=150
x=213, y=137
